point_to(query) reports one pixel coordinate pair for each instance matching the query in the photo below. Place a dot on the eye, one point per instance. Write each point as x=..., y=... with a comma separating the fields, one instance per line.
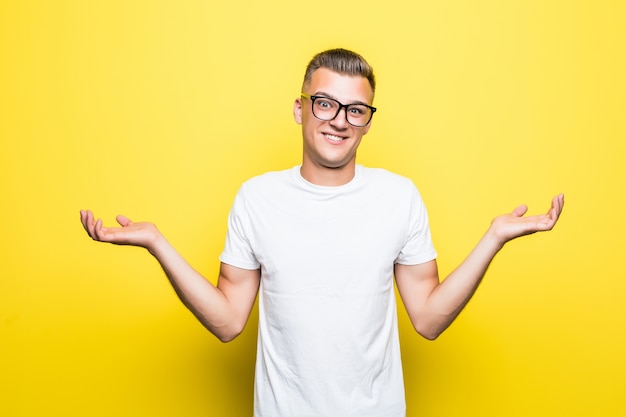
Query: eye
x=358, y=110
x=324, y=103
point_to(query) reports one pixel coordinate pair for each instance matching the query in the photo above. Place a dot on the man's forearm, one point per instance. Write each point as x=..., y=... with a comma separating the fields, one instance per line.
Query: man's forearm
x=449, y=298
x=199, y=295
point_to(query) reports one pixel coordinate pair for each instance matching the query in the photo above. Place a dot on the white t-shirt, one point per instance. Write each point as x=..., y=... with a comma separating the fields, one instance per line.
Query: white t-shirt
x=328, y=334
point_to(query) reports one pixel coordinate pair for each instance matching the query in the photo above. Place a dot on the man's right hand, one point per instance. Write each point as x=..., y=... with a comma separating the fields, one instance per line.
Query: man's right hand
x=141, y=234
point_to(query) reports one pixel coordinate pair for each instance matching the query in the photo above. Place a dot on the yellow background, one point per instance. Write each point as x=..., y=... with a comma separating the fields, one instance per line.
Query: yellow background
x=159, y=110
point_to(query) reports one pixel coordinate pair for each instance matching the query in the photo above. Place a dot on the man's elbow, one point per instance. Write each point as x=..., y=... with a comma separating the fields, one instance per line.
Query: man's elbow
x=430, y=332
x=227, y=337
x=226, y=334
x=430, y=335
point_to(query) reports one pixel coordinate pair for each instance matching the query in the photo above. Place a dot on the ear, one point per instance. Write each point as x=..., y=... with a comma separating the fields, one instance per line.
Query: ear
x=297, y=111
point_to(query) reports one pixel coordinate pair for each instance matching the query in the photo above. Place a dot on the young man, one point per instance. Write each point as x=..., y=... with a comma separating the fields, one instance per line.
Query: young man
x=320, y=243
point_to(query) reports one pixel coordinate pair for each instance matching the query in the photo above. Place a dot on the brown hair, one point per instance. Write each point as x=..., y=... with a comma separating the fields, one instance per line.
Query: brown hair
x=342, y=62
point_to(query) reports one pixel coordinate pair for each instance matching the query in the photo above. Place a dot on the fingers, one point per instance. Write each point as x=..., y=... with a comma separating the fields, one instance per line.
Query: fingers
x=553, y=212
x=87, y=220
x=97, y=230
x=94, y=228
x=558, y=202
x=517, y=223
x=83, y=219
x=548, y=221
x=557, y=207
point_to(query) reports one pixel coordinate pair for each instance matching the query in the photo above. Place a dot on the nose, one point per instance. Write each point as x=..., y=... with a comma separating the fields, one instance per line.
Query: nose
x=341, y=120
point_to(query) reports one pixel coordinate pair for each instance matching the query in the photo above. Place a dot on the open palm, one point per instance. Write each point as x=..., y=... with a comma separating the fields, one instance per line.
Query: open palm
x=515, y=224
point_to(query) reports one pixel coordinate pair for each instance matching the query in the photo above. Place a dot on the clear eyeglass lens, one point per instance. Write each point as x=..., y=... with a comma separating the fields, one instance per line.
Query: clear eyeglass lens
x=327, y=109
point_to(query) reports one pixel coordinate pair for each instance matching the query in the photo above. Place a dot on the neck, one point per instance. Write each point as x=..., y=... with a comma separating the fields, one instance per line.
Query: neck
x=327, y=177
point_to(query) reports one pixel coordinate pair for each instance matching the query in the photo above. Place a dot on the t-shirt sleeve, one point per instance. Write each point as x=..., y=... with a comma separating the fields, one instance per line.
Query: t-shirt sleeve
x=237, y=249
x=419, y=247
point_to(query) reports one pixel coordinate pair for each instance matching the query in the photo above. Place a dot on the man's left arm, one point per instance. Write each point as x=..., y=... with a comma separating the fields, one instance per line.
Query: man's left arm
x=432, y=305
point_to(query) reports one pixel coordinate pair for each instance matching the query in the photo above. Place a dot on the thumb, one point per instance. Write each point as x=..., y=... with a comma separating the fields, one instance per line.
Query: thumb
x=123, y=220
x=518, y=212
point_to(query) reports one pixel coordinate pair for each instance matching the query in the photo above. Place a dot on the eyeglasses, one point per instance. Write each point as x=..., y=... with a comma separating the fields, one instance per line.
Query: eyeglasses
x=326, y=108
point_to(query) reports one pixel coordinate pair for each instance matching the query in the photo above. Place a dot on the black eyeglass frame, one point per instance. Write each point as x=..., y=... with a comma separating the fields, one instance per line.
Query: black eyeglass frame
x=341, y=106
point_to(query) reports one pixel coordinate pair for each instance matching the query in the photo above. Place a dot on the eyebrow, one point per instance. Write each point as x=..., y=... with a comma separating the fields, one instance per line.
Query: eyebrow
x=322, y=93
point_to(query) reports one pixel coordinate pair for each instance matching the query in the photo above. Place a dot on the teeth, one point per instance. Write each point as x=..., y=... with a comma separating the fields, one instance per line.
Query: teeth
x=334, y=138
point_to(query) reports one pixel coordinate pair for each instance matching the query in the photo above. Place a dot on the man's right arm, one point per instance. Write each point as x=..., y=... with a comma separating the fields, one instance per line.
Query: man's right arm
x=223, y=309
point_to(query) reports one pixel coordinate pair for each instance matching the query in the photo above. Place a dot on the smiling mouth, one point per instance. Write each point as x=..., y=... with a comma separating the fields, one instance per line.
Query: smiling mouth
x=333, y=138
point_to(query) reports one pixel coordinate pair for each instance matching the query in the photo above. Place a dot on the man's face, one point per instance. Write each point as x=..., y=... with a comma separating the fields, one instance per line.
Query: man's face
x=331, y=144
